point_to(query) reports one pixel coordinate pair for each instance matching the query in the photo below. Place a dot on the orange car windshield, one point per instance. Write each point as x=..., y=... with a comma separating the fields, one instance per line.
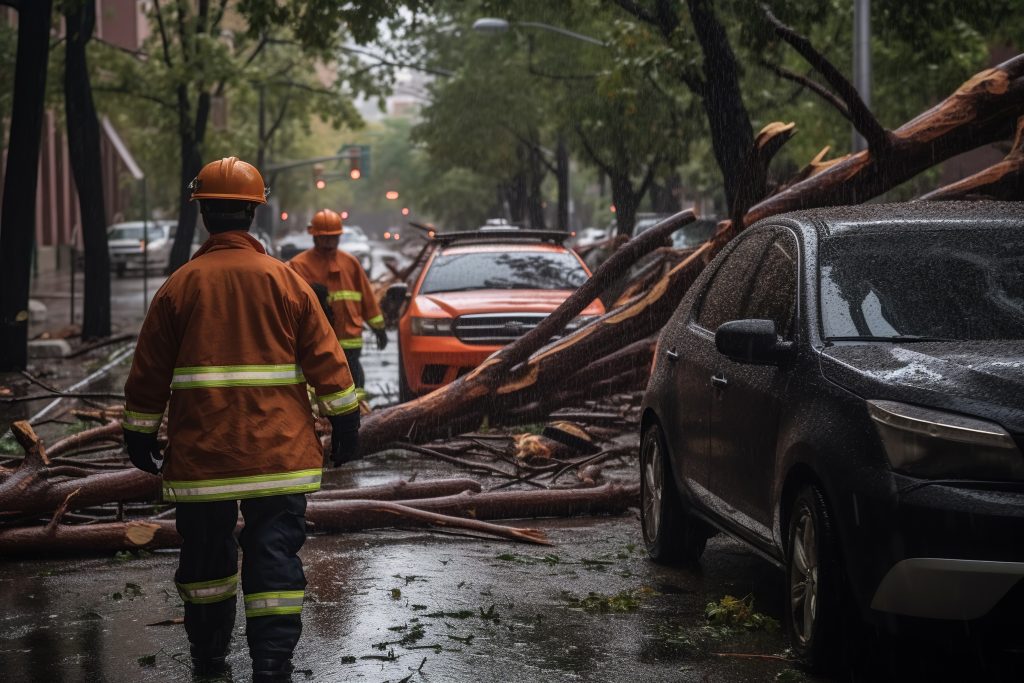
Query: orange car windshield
x=554, y=270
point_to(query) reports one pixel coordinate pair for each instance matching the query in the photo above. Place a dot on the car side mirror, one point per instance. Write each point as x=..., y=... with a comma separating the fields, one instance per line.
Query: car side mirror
x=394, y=298
x=752, y=341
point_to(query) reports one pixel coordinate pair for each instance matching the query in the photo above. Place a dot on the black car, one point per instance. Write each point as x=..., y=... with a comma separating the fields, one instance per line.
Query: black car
x=843, y=391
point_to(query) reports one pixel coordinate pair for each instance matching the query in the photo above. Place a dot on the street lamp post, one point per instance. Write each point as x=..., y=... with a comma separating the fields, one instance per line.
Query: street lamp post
x=495, y=25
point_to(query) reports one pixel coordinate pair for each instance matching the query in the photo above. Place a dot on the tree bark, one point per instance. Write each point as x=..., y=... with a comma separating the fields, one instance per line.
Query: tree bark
x=626, y=202
x=400, y=490
x=88, y=539
x=562, y=171
x=1004, y=180
x=732, y=135
x=345, y=515
x=36, y=486
x=981, y=111
x=18, y=213
x=84, y=151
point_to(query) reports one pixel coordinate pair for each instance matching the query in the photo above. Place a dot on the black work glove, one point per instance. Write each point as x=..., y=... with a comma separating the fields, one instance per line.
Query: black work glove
x=382, y=339
x=344, y=437
x=143, y=450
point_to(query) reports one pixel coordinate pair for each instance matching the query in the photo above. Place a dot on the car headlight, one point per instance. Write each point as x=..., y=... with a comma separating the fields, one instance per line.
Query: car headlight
x=933, y=444
x=432, y=327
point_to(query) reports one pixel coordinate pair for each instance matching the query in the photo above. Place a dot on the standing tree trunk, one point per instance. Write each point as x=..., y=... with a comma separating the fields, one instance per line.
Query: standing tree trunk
x=84, y=151
x=626, y=201
x=535, y=194
x=562, y=173
x=732, y=135
x=18, y=214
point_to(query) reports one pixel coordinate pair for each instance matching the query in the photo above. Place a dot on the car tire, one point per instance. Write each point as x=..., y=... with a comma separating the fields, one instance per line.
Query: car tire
x=814, y=609
x=671, y=534
x=405, y=393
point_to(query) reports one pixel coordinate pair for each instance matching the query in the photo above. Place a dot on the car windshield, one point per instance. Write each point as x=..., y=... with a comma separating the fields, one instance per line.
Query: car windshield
x=693, y=235
x=504, y=270
x=353, y=233
x=924, y=285
x=135, y=232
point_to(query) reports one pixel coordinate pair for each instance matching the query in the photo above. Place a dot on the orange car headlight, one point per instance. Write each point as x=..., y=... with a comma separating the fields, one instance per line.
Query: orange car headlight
x=431, y=327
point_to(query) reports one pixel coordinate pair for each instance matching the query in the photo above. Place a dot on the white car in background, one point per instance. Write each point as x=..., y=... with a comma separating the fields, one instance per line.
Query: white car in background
x=353, y=240
x=125, y=245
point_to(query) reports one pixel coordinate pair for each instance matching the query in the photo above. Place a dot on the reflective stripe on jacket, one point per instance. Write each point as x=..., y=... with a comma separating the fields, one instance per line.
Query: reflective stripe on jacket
x=348, y=291
x=231, y=340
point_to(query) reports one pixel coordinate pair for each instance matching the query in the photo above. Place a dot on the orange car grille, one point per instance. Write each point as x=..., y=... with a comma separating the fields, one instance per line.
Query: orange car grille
x=493, y=329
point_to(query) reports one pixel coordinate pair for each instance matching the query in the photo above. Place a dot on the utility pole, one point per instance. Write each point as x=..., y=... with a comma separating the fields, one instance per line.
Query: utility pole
x=861, y=60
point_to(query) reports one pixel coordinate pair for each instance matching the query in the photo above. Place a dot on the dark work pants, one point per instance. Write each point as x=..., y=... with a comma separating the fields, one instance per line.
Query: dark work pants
x=358, y=376
x=272, y=577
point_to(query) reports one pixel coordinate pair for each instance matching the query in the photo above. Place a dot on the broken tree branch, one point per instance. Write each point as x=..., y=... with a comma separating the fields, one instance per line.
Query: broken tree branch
x=878, y=138
x=1004, y=180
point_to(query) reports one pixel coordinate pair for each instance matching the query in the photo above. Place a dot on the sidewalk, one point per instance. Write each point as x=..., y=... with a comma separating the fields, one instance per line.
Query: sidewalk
x=53, y=290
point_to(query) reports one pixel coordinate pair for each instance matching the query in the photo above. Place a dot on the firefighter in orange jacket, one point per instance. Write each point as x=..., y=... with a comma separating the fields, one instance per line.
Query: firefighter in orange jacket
x=348, y=288
x=231, y=340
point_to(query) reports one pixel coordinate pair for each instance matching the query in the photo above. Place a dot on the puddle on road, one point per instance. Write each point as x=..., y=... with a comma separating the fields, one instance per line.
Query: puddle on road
x=381, y=606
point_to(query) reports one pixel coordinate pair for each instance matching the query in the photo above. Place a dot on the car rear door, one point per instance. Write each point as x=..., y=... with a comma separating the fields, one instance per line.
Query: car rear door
x=747, y=399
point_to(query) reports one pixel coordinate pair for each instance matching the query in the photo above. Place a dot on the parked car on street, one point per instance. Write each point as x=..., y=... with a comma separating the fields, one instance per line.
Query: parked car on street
x=843, y=391
x=125, y=244
x=353, y=240
x=477, y=292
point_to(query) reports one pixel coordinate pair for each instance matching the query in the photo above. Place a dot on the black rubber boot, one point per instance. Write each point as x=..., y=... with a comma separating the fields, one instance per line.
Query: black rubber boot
x=265, y=669
x=205, y=666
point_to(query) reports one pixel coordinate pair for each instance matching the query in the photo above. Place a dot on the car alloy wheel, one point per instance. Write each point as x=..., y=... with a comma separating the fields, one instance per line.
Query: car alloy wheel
x=671, y=534
x=815, y=615
x=803, y=579
x=653, y=476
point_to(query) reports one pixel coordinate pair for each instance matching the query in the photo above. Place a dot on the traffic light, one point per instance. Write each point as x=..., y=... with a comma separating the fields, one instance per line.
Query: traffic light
x=318, y=176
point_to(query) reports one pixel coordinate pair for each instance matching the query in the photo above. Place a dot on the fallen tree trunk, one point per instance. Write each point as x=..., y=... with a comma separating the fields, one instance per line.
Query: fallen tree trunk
x=499, y=385
x=981, y=111
x=372, y=514
x=37, y=486
x=110, y=431
x=356, y=515
x=399, y=490
x=1004, y=180
x=65, y=539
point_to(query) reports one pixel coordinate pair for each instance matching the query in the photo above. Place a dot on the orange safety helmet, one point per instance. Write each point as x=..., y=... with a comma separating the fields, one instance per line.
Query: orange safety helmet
x=325, y=222
x=229, y=178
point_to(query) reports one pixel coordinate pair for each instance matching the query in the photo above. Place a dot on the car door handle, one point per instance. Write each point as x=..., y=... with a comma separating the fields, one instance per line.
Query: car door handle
x=672, y=355
x=719, y=381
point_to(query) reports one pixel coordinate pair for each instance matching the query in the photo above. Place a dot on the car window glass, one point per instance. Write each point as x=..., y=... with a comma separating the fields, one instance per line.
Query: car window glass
x=504, y=270
x=963, y=284
x=773, y=294
x=724, y=298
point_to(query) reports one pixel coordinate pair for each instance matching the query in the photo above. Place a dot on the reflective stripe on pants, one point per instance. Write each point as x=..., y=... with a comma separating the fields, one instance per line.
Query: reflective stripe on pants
x=205, y=592
x=273, y=602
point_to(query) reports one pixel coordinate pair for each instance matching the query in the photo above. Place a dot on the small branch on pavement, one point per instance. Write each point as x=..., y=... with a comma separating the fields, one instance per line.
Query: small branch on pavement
x=100, y=344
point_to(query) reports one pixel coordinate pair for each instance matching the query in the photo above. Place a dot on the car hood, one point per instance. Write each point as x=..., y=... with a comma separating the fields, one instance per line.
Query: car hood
x=498, y=301
x=979, y=378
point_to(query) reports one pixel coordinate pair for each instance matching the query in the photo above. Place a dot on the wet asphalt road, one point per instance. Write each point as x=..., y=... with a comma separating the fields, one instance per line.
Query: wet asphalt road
x=395, y=605
x=383, y=605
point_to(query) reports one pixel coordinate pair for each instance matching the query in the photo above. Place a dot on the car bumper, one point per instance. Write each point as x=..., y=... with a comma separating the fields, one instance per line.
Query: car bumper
x=431, y=362
x=944, y=551
x=135, y=260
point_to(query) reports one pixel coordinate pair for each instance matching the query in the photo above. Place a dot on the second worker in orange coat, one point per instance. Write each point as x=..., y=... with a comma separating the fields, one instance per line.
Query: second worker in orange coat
x=348, y=288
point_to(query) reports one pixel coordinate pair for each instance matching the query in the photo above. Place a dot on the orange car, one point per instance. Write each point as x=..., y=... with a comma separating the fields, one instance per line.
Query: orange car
x=477, y=292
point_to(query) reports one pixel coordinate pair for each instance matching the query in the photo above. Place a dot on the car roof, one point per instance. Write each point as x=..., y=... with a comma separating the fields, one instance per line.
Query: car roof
x=903, y=216
x=498, y=248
